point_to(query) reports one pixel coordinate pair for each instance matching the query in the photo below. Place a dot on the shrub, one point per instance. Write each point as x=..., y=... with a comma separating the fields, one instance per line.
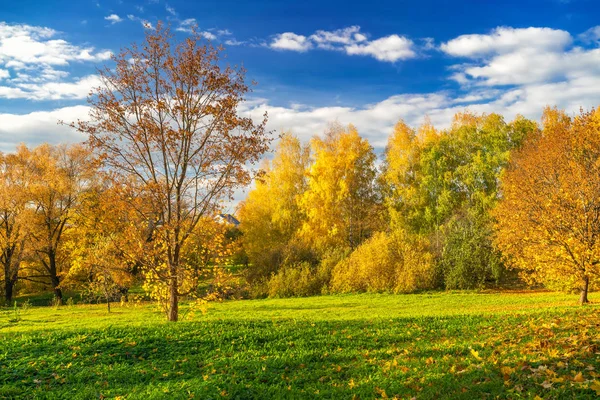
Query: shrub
x=296, y=280
x=394, y=262
x=468, y=259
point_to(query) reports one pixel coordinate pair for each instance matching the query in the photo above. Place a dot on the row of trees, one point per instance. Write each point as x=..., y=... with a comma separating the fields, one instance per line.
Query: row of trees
x=165, y=148
x=455, y=209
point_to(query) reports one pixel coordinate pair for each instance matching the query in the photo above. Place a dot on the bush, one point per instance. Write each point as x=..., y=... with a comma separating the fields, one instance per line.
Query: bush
x=468, y=259
x=270, y=262
x=386, y=262
x=297, y=280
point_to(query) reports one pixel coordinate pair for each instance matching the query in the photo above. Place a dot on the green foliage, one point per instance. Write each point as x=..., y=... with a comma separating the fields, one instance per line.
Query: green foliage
x=295, y=280
x=466, y=346
x=469, y=259
x=445, y=185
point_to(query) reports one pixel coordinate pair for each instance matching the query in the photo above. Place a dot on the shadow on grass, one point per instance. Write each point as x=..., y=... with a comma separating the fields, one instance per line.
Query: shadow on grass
x=428, y=357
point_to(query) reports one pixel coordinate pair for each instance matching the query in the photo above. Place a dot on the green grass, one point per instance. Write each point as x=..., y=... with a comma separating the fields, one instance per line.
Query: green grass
x=437, y=345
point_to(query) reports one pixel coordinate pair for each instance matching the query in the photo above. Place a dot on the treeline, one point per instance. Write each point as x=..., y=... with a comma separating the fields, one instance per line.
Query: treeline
x=484, y=203
x=325, y=218
x=66, y=224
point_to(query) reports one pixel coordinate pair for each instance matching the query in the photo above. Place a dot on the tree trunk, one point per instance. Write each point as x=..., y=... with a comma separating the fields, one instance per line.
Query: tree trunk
x=8, y=289
x=57, y=291
x=10, y=276
x=54, y=278
x=583, y=299
x=173, y=299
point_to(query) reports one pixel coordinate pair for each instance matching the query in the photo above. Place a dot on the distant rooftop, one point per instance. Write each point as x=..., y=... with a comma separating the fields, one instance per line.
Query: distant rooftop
x=230, y=219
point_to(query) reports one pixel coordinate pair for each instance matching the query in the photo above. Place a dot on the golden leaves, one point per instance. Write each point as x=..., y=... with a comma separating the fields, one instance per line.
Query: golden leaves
x=546, y=223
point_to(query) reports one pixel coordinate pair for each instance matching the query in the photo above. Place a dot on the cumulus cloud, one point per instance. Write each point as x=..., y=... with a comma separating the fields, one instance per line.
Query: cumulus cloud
x=113, y=19
x=40, y=127
x=376, y=121
x=33, y=62
x=78, y=89
x=26, y=45
x=346, y=36
x=505, y=40
x=290, y=41
x=509, y=56
x=350, y=41
x=390, y=48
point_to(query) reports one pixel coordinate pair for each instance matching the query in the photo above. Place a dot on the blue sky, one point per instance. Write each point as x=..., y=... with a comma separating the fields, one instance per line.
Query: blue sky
x=316, y=61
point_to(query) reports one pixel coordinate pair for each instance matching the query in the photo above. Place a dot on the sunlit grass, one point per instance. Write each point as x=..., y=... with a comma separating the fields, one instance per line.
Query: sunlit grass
x=431, y=345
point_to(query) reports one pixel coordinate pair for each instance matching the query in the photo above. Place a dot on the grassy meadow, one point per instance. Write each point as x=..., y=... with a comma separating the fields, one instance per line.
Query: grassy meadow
x=460, y=345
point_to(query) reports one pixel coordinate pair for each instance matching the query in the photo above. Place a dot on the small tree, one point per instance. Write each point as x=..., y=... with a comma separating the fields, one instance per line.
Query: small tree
x=165, y=120
x=548, y=223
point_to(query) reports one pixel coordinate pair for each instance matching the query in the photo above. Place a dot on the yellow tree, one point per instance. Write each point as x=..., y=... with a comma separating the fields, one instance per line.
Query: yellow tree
x=401, y=172
x=548, y=222
x=101, y=253
x=271, y=215
x=14, y=225
x=165, y=121
x=341, y=202
x=60, y=177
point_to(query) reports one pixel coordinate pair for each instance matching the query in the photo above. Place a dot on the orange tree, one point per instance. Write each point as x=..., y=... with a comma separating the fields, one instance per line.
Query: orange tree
x=165, y=121
x=548, y=222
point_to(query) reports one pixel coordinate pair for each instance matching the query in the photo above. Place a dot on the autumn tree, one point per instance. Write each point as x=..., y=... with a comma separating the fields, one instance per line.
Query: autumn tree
x=61, y=175
x=271, y=215
x=401, y=175
x=14, y=224
x=342, y=201
x=548, y=222
x=101, y=253
x=165, y=121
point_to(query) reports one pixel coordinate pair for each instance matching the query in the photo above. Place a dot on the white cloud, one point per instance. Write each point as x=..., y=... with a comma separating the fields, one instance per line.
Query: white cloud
x=26, y=44
x=391, y=48
x=40, y=127
x=113, y=18
x=147, y=24
x=189, y=25
x=375, y=121
x=504, y=40
x=347, y=36
x=349, y=40
x=33, y=63
x=509, y=56
x=290, y=41
x=171, y=10
x=591, y=35
x=51, y=90
x=234, y=42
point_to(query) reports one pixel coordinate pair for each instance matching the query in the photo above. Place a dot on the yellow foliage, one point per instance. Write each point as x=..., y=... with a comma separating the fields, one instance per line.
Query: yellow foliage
x=386, y=262
x=547, y=223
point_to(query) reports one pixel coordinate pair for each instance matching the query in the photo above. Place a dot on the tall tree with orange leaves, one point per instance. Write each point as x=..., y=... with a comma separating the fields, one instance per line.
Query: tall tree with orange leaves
x=166, y=121
x=548, y=222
